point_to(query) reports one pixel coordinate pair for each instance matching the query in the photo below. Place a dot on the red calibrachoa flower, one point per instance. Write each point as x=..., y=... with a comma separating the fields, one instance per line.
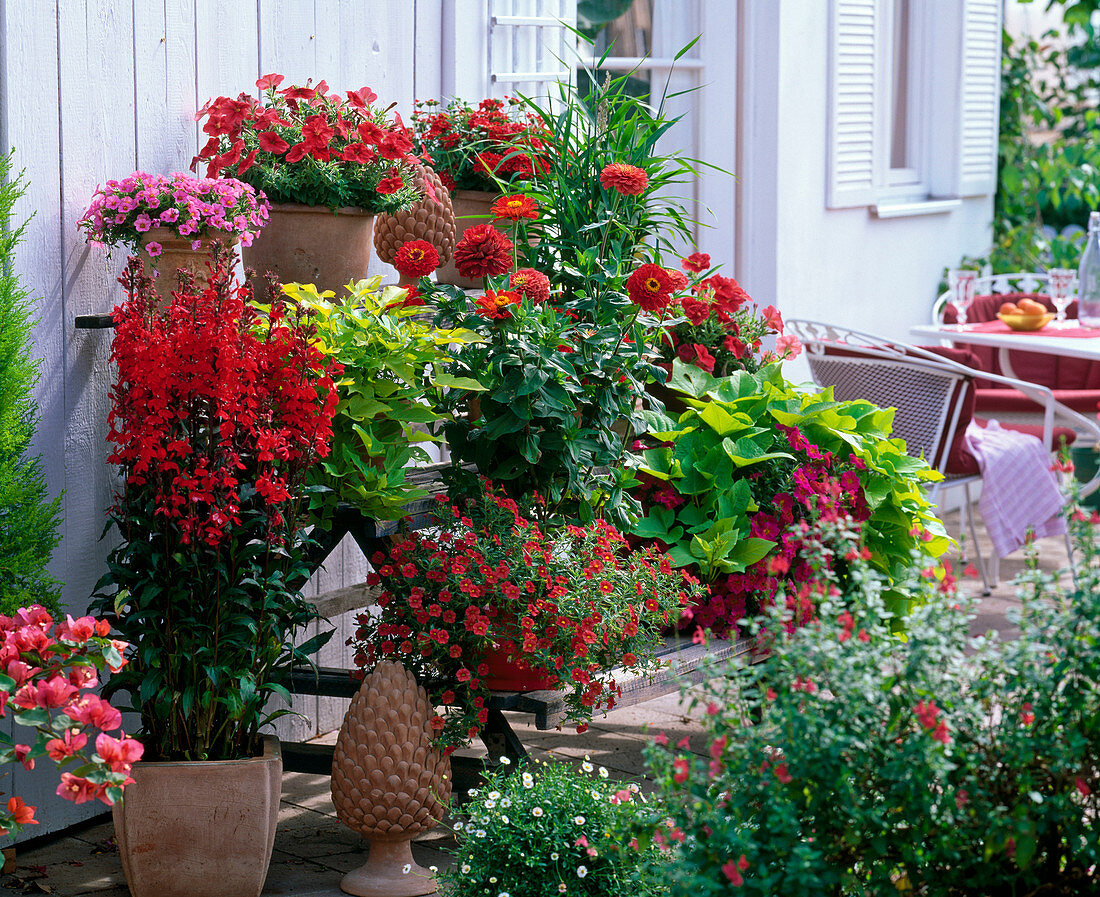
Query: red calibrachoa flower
x=496, y=304
x=650, y=287
x=507, y=584
x=531, y=284
x=696, y=262
x=629, y=180
x=483, y=251
x=416, y=258
x=515, y=207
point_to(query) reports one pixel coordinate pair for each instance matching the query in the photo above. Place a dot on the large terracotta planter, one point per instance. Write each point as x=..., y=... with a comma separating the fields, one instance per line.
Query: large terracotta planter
x=313, y=244
x=507, y=671
x=200, y=829
x=178, y=252
x=470, y=207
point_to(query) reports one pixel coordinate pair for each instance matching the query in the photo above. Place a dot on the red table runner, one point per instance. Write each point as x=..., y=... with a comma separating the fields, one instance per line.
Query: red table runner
x=1002, y=327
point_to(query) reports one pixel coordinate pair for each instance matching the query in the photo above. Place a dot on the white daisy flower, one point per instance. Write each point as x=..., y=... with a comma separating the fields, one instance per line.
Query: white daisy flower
x=561, y=888
x=492, y=879
x=554, y=855
x=504, y=761
x=634, y=786
x=458, y=826
x=536, y=812
x=494, y=795
x=504, y=894
x=433, y=869
x=587, y=767
x=480, y=833
x=528, y=780
x=582, y=871
x=504, y=820
x=506, y=803
x=603, y=772
x=489, y=804
x=578, y=820
x=465, y=868
x=406, y=869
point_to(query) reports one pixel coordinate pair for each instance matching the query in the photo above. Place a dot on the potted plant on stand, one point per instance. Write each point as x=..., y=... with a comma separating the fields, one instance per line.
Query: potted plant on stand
x=173, y=220
x=327, y=163
x=219, y=409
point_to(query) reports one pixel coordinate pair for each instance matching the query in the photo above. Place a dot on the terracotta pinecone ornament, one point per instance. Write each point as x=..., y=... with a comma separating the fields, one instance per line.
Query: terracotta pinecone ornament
x=431, y=219
x=388, y=783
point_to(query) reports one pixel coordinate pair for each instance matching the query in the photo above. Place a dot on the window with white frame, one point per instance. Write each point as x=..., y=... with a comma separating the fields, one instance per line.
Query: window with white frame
x=914, y=88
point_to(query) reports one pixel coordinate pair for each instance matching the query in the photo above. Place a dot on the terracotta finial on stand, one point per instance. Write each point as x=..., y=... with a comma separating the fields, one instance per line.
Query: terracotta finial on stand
x=432, y=218
x=388, y=782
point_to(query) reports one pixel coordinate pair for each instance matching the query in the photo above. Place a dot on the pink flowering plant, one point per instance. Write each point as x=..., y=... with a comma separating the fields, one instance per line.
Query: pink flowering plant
x=554, y=828
x=854, y=763
x=751, y=456
x=145, y=206
x=48, y=670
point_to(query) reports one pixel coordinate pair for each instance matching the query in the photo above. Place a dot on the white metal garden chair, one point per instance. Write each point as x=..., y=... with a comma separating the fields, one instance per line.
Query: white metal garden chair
x=927, y=392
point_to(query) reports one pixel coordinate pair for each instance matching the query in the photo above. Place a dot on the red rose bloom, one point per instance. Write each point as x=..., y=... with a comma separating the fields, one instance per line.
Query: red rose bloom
x=531, y=284
x=649, y=287
x=386, y=186
x=696, y=262
x=416, y=258
x=483, y=251
x=515, y=207
x=695, y=310
x=494, y=304
x=629, y=180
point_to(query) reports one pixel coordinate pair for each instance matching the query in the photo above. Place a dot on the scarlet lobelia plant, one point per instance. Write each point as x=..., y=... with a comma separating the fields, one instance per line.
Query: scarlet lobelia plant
x=219, y=409
x=571, y=605
x=47, y=672
x=305, y=145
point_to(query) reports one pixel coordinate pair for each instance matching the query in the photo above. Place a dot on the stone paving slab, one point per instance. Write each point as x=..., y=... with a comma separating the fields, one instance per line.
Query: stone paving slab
x=313, y=850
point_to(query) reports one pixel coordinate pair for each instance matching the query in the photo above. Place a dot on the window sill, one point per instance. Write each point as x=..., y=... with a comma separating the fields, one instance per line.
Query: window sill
x=915, y=207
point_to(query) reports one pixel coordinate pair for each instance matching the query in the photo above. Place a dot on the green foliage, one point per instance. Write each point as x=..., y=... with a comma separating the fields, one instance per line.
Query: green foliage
x=851, y=763
x=549, y=829
x=391, y=386
x=727, y=457
x=28, y=520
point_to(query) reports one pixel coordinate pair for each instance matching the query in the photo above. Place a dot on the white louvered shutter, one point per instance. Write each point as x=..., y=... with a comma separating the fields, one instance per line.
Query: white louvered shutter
x=854, y=63
x=980, y=91
x=531, y=46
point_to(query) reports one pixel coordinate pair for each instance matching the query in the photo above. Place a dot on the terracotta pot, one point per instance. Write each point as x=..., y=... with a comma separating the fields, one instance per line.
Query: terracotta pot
x=177, y=252
x=200, y=829
x=507, y=670
x=466, y=203
x=313, y=244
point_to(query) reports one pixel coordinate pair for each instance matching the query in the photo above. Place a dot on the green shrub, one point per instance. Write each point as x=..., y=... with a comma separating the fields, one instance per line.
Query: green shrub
x=28, y=520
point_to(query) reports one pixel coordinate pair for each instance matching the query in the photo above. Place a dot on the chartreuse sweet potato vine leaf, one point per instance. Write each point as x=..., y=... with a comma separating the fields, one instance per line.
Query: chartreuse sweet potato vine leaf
x=393, y=377
x=725, y=459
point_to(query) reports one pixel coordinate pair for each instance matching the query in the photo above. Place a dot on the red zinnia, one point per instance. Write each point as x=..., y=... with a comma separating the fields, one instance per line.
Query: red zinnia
x=649, y=287
x=696, y=262
x=628, y=180
x=482, y=251
x=531, y=284
x=494, y=304
x=416, y=258
x=515, y=207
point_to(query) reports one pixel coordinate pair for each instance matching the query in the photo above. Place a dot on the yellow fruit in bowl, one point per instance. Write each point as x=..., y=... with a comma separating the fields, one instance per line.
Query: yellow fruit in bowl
x=1026, y=323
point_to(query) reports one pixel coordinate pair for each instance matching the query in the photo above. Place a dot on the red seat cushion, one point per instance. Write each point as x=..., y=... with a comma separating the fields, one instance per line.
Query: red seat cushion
x=1005, y=401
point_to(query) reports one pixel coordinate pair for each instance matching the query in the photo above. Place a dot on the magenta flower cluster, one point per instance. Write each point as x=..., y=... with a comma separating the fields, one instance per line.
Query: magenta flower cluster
x=122, y=212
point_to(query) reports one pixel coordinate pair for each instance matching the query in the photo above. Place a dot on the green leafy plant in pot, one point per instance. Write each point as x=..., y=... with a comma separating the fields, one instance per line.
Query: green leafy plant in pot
x=218, y=411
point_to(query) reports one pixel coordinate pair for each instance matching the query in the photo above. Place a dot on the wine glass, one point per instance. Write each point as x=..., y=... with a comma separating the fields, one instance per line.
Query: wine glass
x=1061, y=292
x=962, y=284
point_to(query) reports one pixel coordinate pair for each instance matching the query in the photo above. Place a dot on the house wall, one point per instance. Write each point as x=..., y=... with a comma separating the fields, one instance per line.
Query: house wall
x=92, y=90
x=844, y=266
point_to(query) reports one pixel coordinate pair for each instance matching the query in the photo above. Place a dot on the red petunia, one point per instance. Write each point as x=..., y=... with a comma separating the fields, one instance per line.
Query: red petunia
x=531, y=284
x=495, y=303
x=695, y=310
x=515, y=208
x=389, y=185
x=416, y=258
x=649, y=287
x=629, y=180
x=269, y=81
x=358, y=152
x=483, y=251
x=270, y=142
x=696, y=262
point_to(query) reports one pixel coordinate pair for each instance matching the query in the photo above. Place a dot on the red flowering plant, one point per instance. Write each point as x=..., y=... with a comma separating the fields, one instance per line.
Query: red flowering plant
x=48, y=670
x=480, y=148
x=751, y=456
x=219, y=410
x=306, y=145
x=571, y=605
x=718, y=328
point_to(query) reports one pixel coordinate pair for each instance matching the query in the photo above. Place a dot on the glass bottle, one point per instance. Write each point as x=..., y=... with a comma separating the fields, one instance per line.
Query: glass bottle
x=1088, y=276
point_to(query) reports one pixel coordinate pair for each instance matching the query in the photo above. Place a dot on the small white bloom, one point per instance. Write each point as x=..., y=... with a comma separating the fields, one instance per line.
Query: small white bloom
x=492, y=879
x=587, y=767
x=634, y=786
x=506, y=803
x=603, y=772
x=582, y=871
x=473, y=792
x=480, y=833
x=504, y=820
x=554, y=855
x=458, y=826
x=528, y=780
x=504, y=894
x=561, y=888
x=433, y=869
x=578, y=820
x=465, y=868
x=406, y=869
x=504, y=761
x=494, y=795
x=489, y=804
x=536, y=812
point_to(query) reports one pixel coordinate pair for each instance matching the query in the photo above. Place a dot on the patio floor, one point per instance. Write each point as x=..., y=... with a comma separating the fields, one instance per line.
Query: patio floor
x=313, y=849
